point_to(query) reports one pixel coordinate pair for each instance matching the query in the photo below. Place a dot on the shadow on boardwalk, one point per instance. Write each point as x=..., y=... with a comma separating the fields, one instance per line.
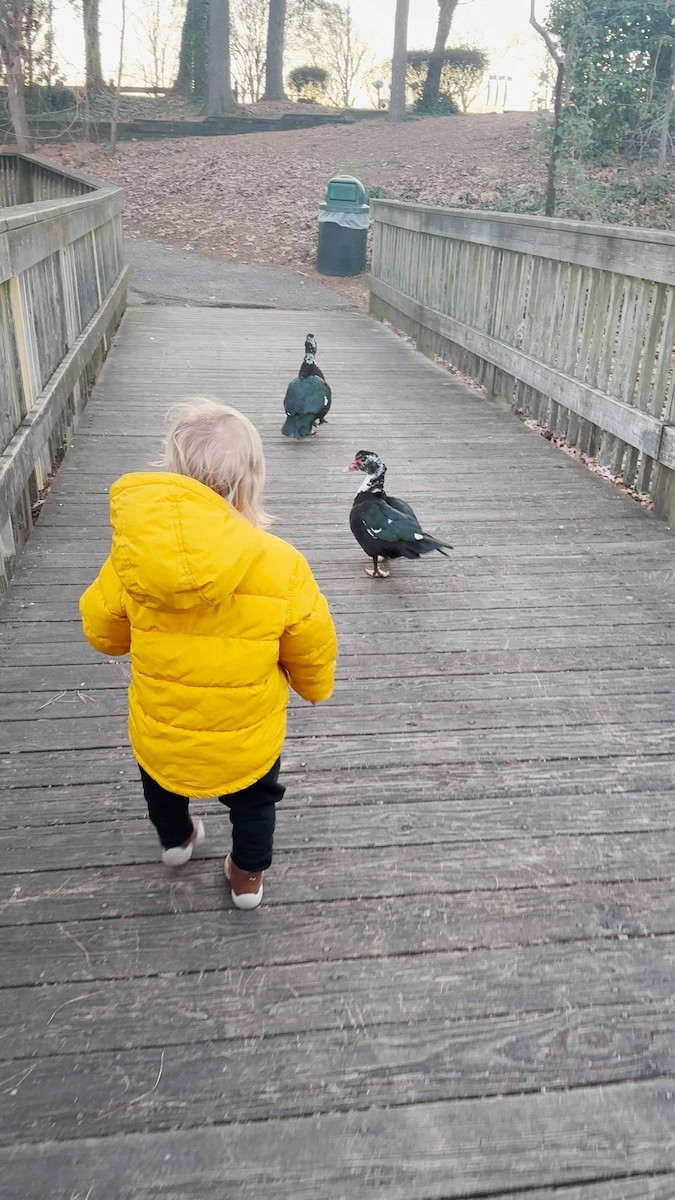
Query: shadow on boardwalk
x=461, y=980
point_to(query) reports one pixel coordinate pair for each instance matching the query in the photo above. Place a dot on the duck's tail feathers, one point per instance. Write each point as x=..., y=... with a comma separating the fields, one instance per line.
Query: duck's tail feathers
x=298, y=427
x=431, y=543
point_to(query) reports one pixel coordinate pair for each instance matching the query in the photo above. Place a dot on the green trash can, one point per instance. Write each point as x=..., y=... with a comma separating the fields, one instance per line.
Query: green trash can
x=343, y=228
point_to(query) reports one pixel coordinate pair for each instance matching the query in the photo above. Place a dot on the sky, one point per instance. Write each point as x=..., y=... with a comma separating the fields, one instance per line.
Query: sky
x=499, y=26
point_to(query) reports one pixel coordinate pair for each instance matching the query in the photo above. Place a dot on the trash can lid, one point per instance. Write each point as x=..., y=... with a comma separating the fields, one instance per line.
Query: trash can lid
x=345, y=194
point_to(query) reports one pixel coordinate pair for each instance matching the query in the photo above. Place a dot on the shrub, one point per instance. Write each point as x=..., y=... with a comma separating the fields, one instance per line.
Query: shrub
x=462, y=72
x=308, y=83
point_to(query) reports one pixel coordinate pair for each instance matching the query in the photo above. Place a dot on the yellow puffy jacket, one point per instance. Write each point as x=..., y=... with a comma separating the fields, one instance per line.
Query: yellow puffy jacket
x=219, y=617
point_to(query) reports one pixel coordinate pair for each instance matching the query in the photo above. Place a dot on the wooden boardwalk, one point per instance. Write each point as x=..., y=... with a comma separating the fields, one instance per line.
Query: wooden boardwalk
x=462, y=980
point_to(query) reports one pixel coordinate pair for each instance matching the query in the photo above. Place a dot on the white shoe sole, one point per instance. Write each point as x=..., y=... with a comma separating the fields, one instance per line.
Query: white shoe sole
x=178, y=856
x=249, y=899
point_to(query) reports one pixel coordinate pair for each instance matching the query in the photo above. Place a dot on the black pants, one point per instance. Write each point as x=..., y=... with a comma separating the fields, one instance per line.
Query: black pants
x=252, y=813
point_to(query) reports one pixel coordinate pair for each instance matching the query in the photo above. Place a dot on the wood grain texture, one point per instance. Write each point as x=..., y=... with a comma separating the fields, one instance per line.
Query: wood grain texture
x=95, y=949
x=113, y=872
x=208, y=1005
x=461, y=981
x=332, y=1071
x=571, y=325
x=410, y=1152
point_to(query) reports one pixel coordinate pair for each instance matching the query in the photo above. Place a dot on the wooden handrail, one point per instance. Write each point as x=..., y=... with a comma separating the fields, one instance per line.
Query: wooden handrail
x=62, y=293
x=572, y=324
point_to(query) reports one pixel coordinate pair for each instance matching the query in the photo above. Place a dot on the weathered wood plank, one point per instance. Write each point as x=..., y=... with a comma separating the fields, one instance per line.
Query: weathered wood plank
x=368, y=620
x=455, y=650
x=96, y=728
x=114, y=765
x=333, y=1071
x=209, y=1006
x=635, y=788
x=418, y=853
x=105, y=690
x=638, y=1187
x=44, y=768
x=588, y=1133
x=178, y=942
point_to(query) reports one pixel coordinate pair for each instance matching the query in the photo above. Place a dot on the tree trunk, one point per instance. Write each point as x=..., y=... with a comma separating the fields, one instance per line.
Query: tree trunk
x=559, y=108
x=220, y=97
x=118, y=86
x=186, y=62
x=551, y=196
x=399, y=62
x=664, y=140
x=92, y=46
x=15, y=97
x=274, y=67
x=432, y=83
x=191, y=77
x=201, y=47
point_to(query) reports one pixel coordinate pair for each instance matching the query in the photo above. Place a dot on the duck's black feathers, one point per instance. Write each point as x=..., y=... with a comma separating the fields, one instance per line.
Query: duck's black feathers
x=387, y=527
x=384, y=526
x=308, y=398
x=304, y=404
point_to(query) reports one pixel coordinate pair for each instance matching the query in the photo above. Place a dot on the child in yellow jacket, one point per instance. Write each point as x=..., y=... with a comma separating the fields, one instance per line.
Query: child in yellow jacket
x=219, y=617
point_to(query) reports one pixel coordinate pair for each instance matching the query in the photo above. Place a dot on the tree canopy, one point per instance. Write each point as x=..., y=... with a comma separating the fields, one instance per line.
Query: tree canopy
x=620, y=60
x=462, y=70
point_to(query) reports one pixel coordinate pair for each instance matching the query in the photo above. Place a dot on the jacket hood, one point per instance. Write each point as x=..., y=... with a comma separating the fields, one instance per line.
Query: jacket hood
x=176, y=544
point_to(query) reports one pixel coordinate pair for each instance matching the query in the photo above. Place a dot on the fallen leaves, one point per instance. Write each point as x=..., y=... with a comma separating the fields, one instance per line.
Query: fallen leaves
x=254, y=198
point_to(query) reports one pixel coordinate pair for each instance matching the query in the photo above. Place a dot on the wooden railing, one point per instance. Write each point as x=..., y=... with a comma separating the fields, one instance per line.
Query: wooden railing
x=62, y=294
x=572, y=324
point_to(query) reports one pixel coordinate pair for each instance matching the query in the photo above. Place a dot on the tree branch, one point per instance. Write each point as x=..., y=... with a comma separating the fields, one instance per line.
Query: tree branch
x=544, y=33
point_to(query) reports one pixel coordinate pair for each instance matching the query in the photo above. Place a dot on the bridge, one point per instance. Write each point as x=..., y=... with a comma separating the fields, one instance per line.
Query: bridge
x=461, y=981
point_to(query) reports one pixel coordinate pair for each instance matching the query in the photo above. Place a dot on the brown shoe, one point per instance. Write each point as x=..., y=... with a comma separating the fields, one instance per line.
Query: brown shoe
x=246, y=889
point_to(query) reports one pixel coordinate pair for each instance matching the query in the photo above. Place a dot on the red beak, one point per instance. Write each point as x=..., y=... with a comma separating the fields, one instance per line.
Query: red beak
x=352, y=467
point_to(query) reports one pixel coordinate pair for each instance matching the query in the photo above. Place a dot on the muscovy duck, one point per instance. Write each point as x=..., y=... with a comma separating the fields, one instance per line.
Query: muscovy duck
x=383, y=525
x=308, y=398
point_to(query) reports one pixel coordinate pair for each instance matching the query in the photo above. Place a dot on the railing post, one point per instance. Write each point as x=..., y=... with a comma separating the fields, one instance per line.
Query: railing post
x=663, y=487
x=24, y=181
x=664, y=495
x=23, y=345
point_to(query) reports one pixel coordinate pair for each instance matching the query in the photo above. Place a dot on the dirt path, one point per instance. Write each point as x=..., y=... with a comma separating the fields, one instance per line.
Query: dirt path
x=254, y=198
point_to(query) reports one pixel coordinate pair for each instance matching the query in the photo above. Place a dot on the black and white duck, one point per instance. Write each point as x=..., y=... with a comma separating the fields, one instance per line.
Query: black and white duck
x=308, y=398
x=384, y=526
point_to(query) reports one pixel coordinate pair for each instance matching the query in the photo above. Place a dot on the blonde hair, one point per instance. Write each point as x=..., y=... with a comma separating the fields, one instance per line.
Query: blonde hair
x=221, y=448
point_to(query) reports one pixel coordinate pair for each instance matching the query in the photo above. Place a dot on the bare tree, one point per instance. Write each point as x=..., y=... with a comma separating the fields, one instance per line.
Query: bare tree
x=39, y=66
x=399, y=64
x=92, y=45
x=114, y=121
x=276, y=27
x=14, y=16
x=220, y=97
x=432, y=84
x=157, y=35
x=336, y=43
x=556, y=147
x=249, y=45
